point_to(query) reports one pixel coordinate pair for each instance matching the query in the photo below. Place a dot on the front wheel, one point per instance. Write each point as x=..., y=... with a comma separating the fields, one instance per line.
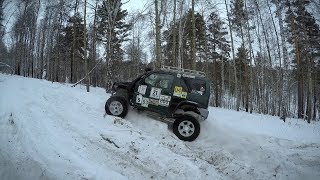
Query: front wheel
x=116, y=106
x=186, y=128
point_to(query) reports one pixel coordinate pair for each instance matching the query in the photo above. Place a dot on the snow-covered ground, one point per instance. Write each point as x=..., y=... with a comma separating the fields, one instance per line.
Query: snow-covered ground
x=53, y=131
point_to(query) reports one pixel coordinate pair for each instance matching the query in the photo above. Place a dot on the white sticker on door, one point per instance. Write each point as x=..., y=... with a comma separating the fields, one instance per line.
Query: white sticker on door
x=145, y=102
x=139, y=99
x=155, y=93
x=164, y=100
x=142, y=89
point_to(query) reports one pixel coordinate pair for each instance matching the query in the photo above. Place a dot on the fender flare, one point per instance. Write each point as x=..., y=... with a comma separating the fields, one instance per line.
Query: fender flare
x=187, y=103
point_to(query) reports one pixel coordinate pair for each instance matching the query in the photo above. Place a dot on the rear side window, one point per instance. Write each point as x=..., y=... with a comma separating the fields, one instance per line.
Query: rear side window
x=181, y=83
x=160, y=80
x=196, y=86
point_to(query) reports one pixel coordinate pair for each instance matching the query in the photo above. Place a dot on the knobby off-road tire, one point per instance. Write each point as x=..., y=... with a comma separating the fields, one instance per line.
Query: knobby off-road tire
x=186, y=127
x=117, y=106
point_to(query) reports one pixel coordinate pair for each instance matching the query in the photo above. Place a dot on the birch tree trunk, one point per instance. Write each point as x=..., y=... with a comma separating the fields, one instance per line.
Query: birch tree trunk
x=281, y=84
x=284, y=100
x=94, y=40
x=233, y=58
x=250, y=83
x=85, y=46
x=193, y=39
x=264, y=32
x=72, y=73
x=174, y=60
x=222, y=84
x=180, y=62
x=157, y=22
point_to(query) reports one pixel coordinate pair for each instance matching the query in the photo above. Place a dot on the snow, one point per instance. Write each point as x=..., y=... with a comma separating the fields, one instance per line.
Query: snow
x=53, y=131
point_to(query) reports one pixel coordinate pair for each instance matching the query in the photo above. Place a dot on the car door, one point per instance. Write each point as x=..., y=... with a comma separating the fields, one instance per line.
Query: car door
x=154, y=92
x=180, y=93
x=199, y=91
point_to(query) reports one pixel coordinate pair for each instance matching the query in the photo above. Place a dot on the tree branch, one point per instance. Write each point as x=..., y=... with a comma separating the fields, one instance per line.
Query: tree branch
x=74, y=85
x=6, y=65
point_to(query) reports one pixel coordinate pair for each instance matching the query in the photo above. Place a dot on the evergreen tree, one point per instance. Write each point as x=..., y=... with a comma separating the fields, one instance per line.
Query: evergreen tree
x=3, y=49
x=1, y=19
x=200, y=40
x=169, y=48
x=239, y=18
x=242, y=62
x=304, y=35
x=58, y=57
x=218, y=48
x=74, y=40
x=112, y=31
x=217, y=43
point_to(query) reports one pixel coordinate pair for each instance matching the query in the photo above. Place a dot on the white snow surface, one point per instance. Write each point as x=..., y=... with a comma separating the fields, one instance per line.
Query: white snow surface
x=53, y=131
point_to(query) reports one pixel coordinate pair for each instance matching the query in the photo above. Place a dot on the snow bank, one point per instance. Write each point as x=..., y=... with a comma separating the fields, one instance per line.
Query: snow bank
x=52, y=131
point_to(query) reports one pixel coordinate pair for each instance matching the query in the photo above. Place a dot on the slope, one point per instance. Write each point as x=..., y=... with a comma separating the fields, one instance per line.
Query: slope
x=52, y=131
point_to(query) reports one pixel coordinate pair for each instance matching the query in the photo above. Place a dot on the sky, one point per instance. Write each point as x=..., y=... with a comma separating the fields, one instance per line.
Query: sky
x=134, y=5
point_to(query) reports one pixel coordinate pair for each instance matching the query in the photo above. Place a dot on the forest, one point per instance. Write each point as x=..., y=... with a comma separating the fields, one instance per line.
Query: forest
x=261, y=56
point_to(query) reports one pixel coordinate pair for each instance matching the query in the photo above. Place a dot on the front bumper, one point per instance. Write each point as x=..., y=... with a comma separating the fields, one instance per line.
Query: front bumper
x=204, y=113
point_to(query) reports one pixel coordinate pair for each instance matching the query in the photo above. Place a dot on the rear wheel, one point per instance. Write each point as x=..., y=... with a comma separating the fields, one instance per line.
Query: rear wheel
x=116, y=106
x=186, y=127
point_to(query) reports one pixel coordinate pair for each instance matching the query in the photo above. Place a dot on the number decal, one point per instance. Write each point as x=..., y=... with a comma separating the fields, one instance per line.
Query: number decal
x=139, y=99
x=155, y=93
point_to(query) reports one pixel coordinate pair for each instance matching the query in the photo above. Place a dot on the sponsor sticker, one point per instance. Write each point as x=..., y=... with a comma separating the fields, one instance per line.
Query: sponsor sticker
x=154, y=102
x=164, y=100
x=145, y=102
x=177, y=91
x=184, y=95
x=188, y=76
x=142, y=89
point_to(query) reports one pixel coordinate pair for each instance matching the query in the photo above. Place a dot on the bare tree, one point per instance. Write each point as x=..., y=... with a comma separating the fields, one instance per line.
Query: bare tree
x=85, y=46
x=157, y=24
x=237, y=94
x=193, y=38
x=174, y=34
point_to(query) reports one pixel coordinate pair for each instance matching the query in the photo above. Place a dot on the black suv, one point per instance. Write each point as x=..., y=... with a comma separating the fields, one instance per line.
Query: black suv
x=171, y=93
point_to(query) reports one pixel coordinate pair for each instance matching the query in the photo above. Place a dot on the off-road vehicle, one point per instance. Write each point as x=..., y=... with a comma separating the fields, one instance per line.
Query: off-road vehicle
x=173, y=94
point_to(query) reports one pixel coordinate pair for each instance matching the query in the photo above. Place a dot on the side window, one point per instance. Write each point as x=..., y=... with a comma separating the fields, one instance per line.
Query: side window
x=196, y=86
x=182, y=84
x=160, y=80
x=151, y=80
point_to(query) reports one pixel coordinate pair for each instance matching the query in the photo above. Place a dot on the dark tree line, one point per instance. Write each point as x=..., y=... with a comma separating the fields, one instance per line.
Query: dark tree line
x=261, y=56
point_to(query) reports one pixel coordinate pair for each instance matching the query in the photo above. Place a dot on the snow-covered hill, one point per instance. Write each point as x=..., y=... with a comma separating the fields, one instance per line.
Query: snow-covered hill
x=52, y=131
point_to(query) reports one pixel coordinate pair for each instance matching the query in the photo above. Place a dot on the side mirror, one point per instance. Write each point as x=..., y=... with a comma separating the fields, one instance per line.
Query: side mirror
x=147, y=69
